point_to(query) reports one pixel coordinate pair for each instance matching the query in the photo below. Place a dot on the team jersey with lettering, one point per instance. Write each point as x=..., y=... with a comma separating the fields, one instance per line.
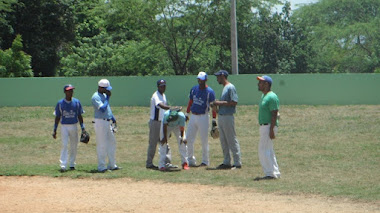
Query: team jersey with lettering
x=201, y=99
x=68, y=110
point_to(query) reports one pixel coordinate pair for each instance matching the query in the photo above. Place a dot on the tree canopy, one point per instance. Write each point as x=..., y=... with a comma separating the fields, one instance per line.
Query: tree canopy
x=181, y=37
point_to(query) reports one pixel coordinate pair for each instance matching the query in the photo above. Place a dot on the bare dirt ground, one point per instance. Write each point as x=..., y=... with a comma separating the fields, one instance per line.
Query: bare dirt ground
x=45, y=194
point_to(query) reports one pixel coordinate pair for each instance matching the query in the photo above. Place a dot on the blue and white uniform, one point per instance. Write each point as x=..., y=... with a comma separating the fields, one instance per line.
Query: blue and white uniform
x=105, y=138
x=199, y=121
x=172, y=127
x=68, y=111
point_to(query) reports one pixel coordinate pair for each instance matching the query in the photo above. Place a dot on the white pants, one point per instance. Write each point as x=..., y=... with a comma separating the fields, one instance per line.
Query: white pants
x=69, y=133
x=198, y=123
x=164, y=150
x=266, y=153
x=105, y=144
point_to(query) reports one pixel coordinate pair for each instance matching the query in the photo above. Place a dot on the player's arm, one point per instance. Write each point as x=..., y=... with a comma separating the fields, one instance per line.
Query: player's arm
x=273, y=124
x=80, y=118
x=225, y=103
x=165, y=131
x=56, y=122
x=163, y=106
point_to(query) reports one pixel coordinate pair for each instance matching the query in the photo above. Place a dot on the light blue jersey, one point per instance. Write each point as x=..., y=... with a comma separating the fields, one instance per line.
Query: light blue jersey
x=179, y=122
x=228, y=94
x=68, y=110
x=98, y=100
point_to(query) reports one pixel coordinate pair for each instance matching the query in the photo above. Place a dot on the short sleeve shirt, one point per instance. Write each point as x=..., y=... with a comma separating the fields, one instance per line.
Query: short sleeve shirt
x=201, y=99
x=181, y=121
x=228, y=94
x=68, y=110
x=98, y=100
x=156, y=112
x=268, y=103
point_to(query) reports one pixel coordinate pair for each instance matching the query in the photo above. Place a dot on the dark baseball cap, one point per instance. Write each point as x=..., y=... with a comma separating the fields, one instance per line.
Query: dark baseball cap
x=68, y=87
x=161, y=82
x=221, y=72
x=265, y=78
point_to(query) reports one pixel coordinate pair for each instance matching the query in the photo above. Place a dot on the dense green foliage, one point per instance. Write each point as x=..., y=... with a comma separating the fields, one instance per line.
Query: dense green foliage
x=180, y=37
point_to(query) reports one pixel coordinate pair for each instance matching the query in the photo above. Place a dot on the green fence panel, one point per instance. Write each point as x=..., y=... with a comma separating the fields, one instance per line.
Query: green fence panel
x=309, y=89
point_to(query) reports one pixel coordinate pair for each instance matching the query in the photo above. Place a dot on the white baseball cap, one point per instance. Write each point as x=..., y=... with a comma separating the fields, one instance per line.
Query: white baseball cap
x=105, y=83
x=202, y=76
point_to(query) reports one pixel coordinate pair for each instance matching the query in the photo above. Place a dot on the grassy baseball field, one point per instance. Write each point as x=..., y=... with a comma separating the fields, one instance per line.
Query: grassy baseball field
x=323, y=150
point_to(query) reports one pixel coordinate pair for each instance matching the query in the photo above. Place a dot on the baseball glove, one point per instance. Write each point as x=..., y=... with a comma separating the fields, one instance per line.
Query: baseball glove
x=85, y=137
x=214, y=130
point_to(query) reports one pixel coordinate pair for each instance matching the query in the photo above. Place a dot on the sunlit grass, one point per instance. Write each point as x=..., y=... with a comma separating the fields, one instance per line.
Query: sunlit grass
x=327, y=150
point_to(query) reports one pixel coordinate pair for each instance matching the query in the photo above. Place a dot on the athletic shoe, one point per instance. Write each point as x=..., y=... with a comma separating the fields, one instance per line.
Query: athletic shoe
x=223, y=166
x=193, y=165
x=162, y=169
x=202, y=165
x=236, y=167
x=152, y=167
x=104, y=170
x=72, y=168
x=171, y=166
x=185, y=166
x=264, y=178
x=63, y=169
x=116, y=168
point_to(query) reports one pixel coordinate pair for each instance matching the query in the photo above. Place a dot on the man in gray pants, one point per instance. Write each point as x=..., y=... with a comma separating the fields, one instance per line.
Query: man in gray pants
x=158, y=105
x=226, y=122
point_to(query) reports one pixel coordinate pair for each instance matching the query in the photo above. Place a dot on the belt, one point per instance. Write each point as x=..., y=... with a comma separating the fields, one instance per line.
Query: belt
x=197, y=113
x=263, y=124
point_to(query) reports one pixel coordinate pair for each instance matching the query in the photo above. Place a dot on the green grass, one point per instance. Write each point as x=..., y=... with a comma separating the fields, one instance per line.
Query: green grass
x=321, y=150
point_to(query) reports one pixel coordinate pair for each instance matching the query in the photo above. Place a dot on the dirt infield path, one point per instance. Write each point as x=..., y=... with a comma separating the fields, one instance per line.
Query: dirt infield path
x=44, y=194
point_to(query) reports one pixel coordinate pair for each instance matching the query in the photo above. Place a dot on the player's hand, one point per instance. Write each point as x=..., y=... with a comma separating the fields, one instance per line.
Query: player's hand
x=108, y=93
x=164, y=141
x=54, y=135
x=271, y=134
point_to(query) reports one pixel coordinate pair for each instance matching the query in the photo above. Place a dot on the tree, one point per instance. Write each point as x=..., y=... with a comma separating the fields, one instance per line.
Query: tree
x=45, y=26
x=342, y=35
x=14, y=62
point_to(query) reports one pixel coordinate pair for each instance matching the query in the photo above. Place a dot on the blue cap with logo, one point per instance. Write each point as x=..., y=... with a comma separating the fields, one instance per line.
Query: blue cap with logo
x=161, y=82
x=265, y=78
x=221, y=72
x=68, y=87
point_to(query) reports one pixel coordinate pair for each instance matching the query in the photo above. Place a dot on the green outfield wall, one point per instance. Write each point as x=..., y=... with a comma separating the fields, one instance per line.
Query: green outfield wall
x=309, y=89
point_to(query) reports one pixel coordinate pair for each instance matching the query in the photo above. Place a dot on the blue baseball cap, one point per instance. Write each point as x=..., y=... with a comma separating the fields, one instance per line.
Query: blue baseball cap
x=68, y=87
x=161, y=82
x=221, y=72
x=265, y=78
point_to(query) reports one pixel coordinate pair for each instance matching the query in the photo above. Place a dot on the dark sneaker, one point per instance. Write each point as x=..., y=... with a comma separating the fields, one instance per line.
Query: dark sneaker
x=152, y=167
x=116, y=168
x=236, y=167
x=103, y=171
x=202, y=165
x=72, y=168
x=264, y=178
x=223, y=166
x=63, y=169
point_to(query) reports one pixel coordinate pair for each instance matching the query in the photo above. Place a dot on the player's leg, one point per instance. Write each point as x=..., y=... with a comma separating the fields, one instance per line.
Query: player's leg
x=266, y=153
x=101, y=127
x=64, y=150
x=231, y=139
x=181, y=146
x=203, y=124
x=154, y=135
x=74, y=139
x=111, y=148
x=223, y=140
x=191, y=133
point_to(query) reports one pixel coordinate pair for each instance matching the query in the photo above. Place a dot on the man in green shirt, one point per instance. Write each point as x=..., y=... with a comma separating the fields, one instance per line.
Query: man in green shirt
x=268, y=120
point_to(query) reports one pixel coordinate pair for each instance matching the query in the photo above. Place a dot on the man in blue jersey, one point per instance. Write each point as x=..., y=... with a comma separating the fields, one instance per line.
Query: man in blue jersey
x=105, y=138
x=173, y=122
x=226, y=122
x=269, y=106
x=200, y=97
x=69, y=111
